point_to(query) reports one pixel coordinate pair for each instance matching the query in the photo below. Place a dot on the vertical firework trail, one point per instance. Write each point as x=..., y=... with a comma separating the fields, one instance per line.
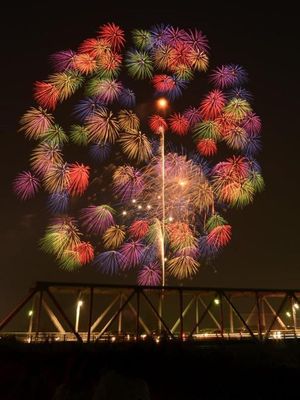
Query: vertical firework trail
x=162, y=141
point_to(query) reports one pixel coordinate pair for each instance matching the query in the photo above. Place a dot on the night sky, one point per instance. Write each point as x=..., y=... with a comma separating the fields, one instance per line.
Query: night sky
x=264, y=251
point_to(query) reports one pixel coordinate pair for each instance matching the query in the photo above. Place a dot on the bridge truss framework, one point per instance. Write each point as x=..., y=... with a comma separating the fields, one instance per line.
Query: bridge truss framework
x=124, y=312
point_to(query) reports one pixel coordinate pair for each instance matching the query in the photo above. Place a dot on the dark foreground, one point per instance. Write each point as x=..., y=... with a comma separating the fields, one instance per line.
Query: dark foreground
x=147, y=370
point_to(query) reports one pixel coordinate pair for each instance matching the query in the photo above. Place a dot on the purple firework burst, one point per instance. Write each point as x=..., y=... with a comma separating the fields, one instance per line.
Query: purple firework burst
x=150, y=275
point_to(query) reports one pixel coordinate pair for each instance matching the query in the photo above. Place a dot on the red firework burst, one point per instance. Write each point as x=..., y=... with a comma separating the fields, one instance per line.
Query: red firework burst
x=179, y=124
x=207, y=147
x=178, y=230
x=113, y=34
x=78, y=179
x=219, y=236
x=157, y=124
x=163, y=83
x=84, y=252
x=181, y=54
x=226, y=124
x=95, y=47
x=235, y=167
x=212, y=105
x=46, y=95
x=139, y=229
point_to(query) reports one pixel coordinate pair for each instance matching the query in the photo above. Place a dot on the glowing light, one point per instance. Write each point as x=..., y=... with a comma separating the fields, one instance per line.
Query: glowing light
x=182, y=183
x=124, y=213
x=288, y=314
x=139, y=207
x=162, y=103
x=148, y=207
x=277, y=335
x=171, y=219
x=133, y=201
x=296, y=306
x=217, y=301
x=30, y=313
x=113, y=339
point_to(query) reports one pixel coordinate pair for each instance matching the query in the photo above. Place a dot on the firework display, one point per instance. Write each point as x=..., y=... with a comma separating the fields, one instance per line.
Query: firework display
x=132, y=183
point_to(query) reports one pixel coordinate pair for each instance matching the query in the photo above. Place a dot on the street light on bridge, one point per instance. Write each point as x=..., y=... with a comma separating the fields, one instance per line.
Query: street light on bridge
x=79, y=305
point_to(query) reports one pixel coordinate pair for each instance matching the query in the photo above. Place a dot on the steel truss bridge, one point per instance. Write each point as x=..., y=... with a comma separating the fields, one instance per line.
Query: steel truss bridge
x=101, y=312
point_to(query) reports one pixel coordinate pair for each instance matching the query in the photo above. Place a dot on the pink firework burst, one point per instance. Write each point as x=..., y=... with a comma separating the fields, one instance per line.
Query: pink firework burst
x=108, y=90
x=251, y=123
x=78, y=179
x=26, y=185
x=132, y=253
x=62, y=60
x=193, y=115
x=113, y=34
x=197, y=40
x=175, y=35
x=150, y=275
x=96, y=219
x=228, y=75
x=237, y=138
